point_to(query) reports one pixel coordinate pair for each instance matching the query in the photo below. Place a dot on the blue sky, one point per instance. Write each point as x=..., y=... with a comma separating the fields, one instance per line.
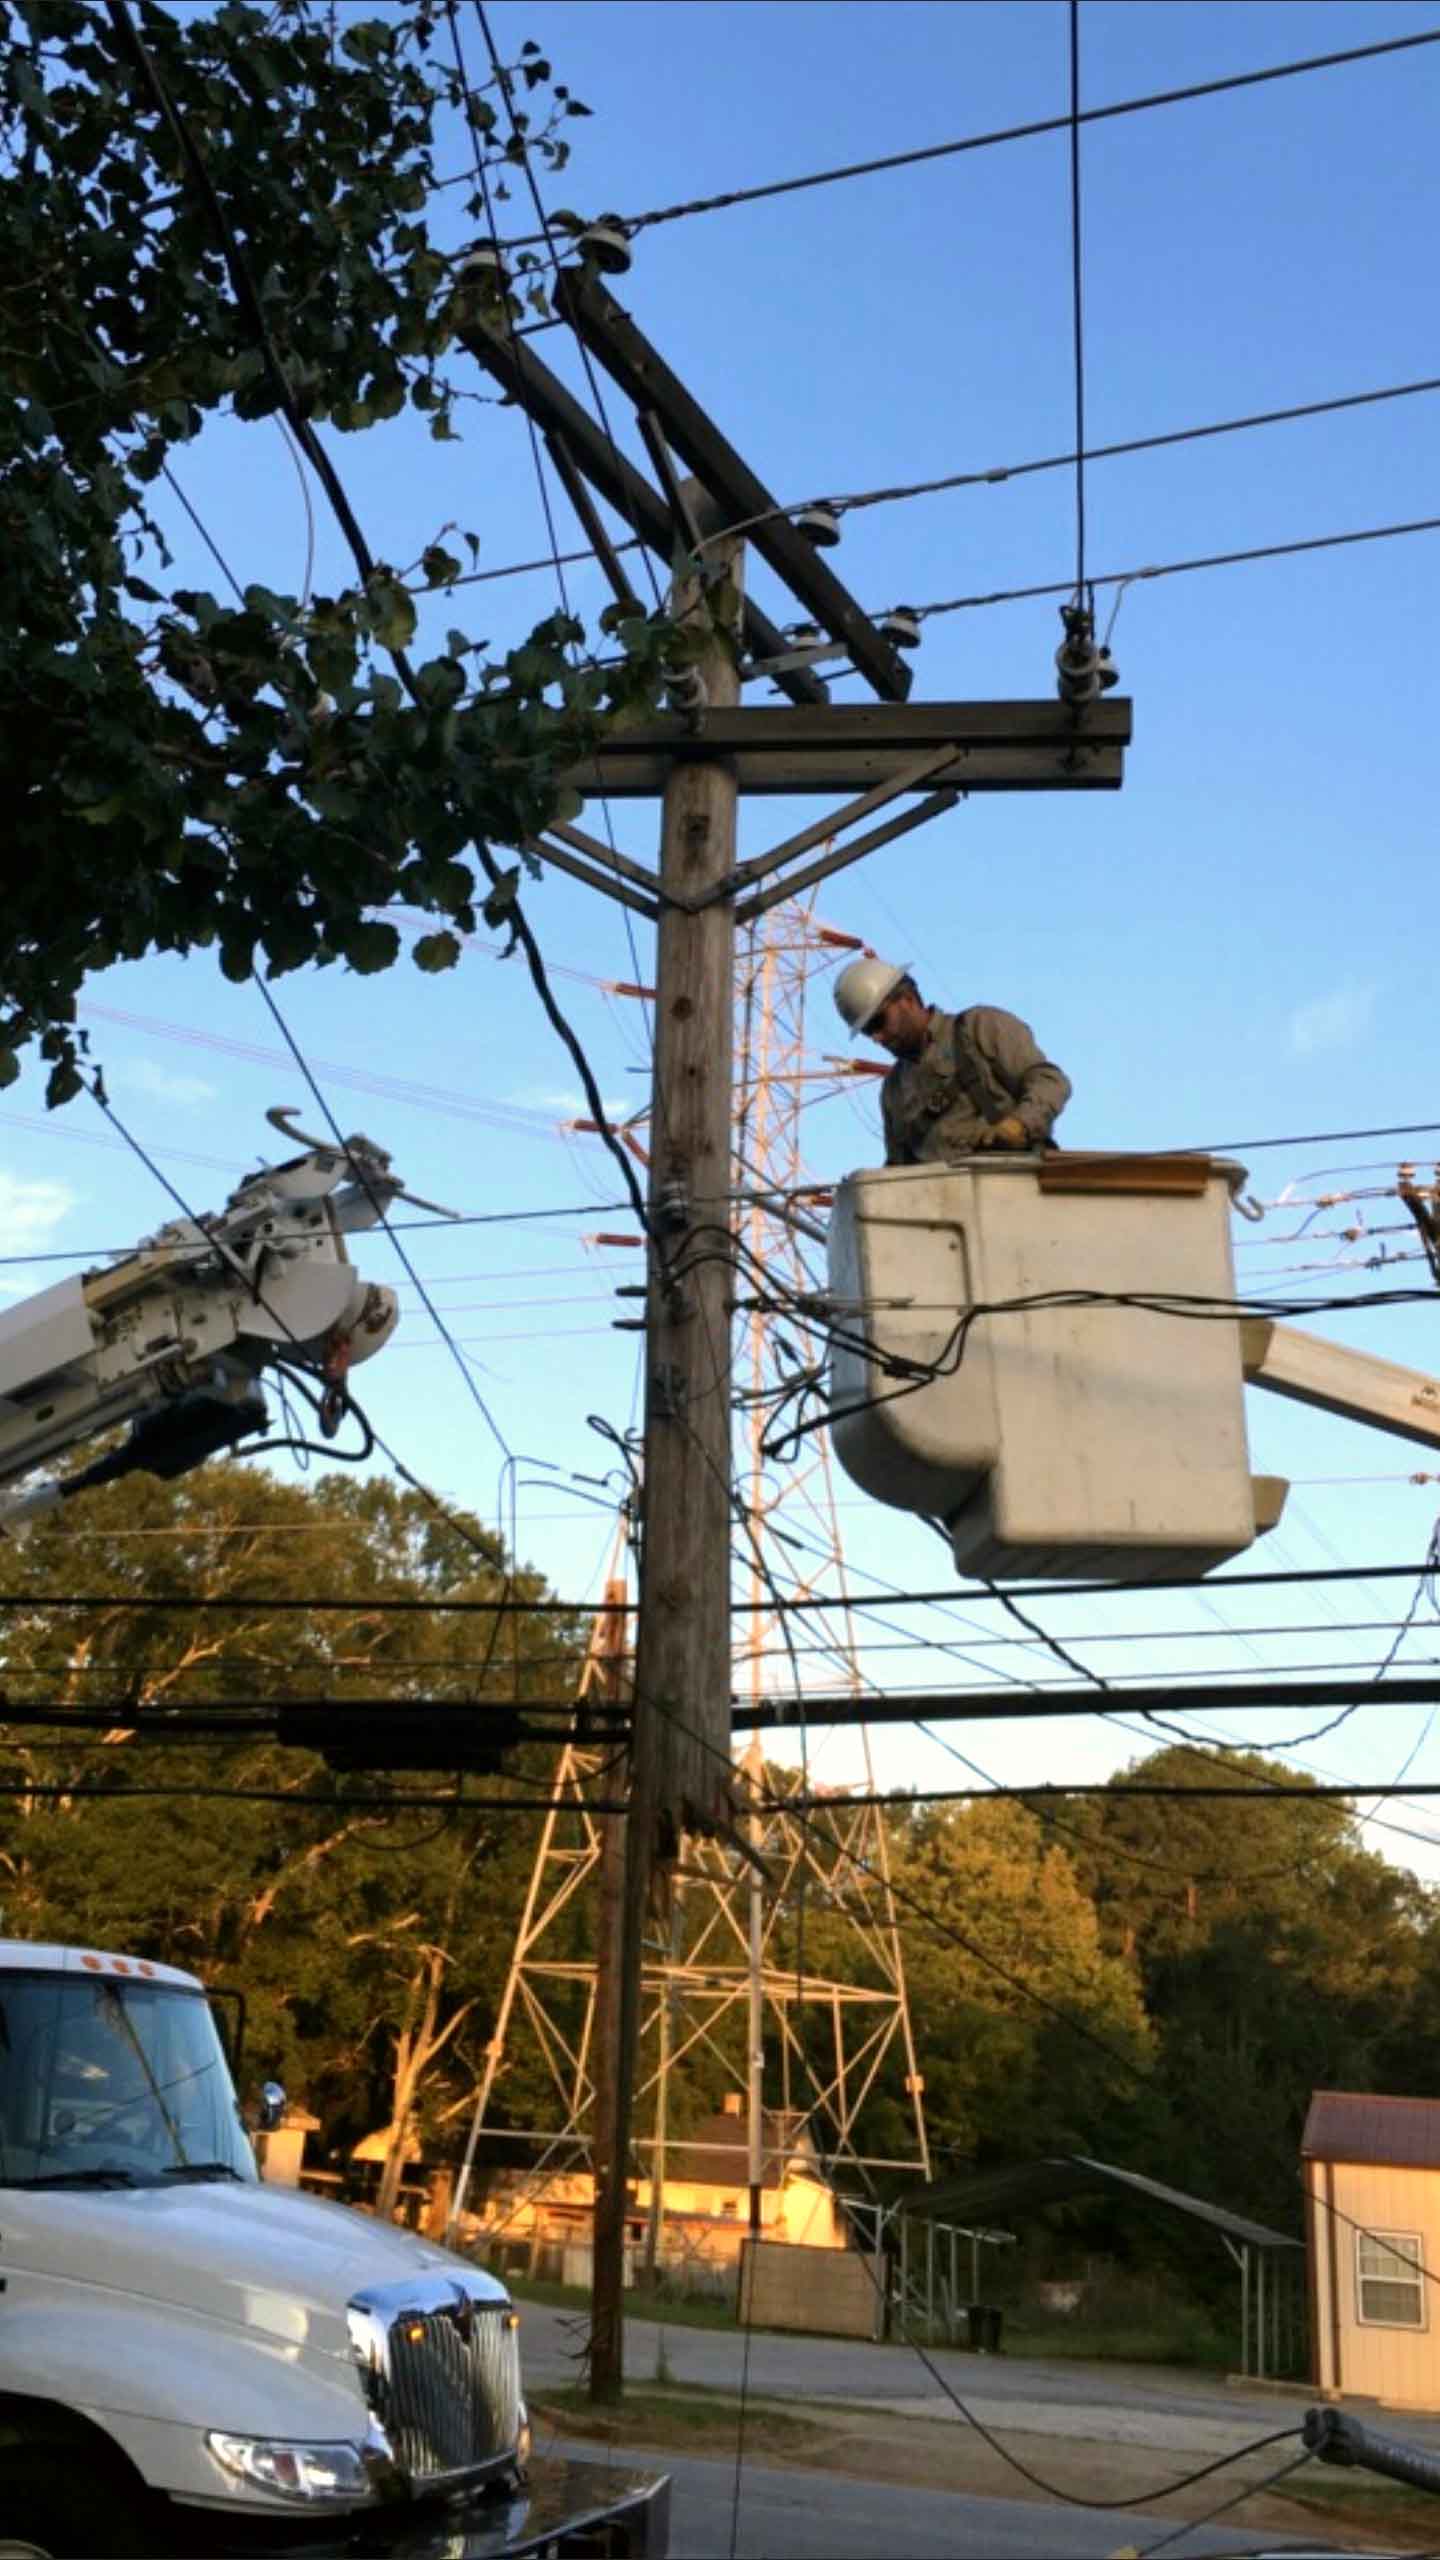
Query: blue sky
x=1237, y=945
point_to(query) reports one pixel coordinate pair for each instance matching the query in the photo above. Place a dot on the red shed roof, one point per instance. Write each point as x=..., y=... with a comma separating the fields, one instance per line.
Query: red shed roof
x=1393, y=2133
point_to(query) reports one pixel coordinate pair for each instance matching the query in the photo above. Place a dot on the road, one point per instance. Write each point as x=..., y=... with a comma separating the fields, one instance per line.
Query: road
x=805, y=2515
x=1106, y=2404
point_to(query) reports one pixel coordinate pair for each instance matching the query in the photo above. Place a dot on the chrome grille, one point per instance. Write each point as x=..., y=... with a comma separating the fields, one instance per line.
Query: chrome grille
x=441, y=2365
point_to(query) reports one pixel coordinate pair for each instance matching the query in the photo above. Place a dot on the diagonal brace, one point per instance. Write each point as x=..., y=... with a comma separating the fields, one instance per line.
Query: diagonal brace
x=746, y=874
x=593, y=878
x=841, y=857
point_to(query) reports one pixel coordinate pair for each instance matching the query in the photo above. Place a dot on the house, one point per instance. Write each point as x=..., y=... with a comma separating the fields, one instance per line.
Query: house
x=704, y=2204
x=1371, y=2172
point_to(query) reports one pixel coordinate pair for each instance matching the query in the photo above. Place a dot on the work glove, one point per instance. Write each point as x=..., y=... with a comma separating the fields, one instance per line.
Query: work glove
x=1009, y=1132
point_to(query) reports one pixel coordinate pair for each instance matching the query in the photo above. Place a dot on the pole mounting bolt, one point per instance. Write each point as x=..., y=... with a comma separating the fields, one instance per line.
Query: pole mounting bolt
x=670, y=1390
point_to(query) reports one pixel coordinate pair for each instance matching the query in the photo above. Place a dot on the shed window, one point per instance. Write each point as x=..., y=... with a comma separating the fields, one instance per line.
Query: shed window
x=1390, y=2278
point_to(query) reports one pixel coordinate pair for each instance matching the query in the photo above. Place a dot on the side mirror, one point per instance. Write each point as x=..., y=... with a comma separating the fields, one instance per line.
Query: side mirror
x=272, y=2106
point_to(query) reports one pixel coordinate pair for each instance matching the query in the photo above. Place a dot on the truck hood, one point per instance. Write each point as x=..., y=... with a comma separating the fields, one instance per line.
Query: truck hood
x=256, y=2257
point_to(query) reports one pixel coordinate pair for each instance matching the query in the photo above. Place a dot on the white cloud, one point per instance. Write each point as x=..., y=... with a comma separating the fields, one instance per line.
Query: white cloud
x=574, y=1106
x=31, y=1211
x=1332, y=1022
x=141, y=1075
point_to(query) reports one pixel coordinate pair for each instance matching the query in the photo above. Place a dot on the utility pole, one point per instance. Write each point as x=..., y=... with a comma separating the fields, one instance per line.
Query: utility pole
x=698, y=759
x=682, y=1656
x=665, y=2030
x=610, y=2150
x=755, y=2007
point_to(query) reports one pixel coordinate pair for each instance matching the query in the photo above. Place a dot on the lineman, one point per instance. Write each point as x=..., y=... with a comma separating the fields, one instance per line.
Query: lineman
x=960, y=1080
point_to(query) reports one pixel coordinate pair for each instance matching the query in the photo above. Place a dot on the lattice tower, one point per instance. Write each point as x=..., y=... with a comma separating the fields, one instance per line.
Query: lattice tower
x=827, y=1871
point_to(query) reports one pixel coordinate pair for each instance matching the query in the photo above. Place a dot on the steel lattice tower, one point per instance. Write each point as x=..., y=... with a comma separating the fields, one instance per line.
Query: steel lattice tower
x=830, y=1863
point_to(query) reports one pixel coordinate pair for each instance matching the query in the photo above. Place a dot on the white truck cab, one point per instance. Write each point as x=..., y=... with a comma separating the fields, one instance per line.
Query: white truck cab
x=194, y=2362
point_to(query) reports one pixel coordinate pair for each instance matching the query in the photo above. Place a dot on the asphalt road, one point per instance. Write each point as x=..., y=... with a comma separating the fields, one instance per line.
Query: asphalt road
x=805, y=2515
x=1118, y=2404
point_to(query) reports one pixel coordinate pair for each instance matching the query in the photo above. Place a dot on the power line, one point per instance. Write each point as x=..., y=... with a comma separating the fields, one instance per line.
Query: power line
x=1305, y=1791
x=898, y=493
x=1298, y=1576
x=193, y=1794
x=969, y=1706
x=1077, y=302
x=379, y=1606
x=1180, y=568
x=358, y=1171
x=1018, y=132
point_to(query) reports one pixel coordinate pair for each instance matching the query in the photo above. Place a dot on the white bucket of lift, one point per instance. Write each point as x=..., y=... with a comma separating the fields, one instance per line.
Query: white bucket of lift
x=1092, y=1440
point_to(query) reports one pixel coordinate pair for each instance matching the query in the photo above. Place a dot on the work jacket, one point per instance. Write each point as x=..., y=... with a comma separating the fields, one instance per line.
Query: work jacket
x=976, y=1067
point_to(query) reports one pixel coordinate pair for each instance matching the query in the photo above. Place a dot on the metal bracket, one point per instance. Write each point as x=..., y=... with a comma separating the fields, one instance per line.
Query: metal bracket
x=671, y=1390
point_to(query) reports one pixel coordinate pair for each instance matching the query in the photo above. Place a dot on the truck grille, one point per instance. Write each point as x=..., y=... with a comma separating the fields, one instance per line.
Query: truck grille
x=441, y=2366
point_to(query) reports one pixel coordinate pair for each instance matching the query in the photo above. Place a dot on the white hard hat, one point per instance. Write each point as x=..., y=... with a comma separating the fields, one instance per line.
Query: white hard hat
x=862, y=988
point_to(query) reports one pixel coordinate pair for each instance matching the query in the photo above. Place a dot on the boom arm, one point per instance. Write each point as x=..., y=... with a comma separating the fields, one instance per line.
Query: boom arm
x=1353, y=1383
x=174, y=1337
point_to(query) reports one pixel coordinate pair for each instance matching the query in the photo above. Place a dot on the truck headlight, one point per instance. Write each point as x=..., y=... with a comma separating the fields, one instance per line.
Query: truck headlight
x=305, y=2475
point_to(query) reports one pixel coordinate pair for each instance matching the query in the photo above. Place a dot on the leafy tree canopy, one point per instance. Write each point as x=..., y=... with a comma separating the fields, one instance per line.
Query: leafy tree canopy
x=259, y=775
x=370, y=1941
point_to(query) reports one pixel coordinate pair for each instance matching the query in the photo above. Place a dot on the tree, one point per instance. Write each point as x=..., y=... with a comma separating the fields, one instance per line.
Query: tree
x=1277, y=1955
x=225, y=213
x=1031, y=2034
x=369, y=1940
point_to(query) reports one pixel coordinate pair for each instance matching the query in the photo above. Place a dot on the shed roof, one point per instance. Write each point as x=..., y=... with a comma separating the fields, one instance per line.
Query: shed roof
x=985, y=2193
x=716, y=2153
x=1354, y=2124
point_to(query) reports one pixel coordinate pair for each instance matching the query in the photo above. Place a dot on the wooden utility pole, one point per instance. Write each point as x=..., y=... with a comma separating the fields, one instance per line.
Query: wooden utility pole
x=698, y=758
x=755, y=2005
x=610, y=2139
x=679, y=1751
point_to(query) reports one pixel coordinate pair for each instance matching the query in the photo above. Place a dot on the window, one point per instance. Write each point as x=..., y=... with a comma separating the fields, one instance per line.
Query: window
x=1390, y=2279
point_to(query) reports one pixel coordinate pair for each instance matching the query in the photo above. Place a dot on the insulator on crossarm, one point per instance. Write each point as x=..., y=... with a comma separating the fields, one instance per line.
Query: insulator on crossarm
x=819, y=523
x=605, y=243
x=685, y=689
x=1084, y=671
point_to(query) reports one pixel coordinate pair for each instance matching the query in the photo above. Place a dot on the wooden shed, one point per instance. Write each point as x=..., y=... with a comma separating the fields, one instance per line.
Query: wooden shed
x=1371, y=2170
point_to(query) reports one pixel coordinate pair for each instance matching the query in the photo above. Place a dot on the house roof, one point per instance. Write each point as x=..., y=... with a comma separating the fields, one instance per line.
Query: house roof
x=716, y=2152
x=1354, y=2124
x=984, y=2193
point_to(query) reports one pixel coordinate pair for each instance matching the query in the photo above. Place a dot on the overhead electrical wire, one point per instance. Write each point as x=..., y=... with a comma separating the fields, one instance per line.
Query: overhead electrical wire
x=852, y=501
x=1018, y=132
x=1077, y=319
x=1181, y=568
x=357, y=1170
x=801, y=1605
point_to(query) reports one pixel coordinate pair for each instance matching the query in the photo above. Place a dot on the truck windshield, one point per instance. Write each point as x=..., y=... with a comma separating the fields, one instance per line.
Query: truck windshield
x=121, y=2080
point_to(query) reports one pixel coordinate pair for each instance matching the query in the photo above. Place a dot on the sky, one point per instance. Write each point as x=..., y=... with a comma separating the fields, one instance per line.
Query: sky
x=1236, y=947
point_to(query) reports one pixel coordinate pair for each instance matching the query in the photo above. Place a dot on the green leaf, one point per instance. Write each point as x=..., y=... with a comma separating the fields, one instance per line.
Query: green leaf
x=498, y=906
x=369, y=947
x=441, y=567
x=436, y=951
x=392, y=609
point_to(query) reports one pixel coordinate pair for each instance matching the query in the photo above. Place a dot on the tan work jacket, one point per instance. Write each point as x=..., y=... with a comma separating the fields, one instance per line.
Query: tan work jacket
x=976, y=1067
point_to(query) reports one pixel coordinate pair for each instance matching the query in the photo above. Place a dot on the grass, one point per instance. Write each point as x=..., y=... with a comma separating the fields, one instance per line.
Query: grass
x=1180, y=2341
x=1369, y=2506
x=681, y=2421
x=682, y=2311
